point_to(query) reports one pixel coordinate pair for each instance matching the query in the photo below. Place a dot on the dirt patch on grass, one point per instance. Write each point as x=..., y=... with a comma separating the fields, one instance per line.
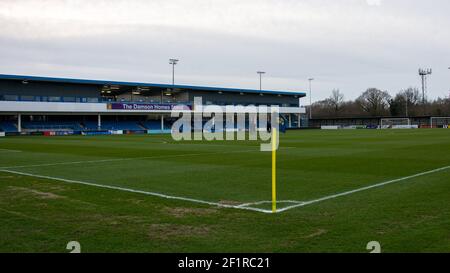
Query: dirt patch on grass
x=16, y=213
x=106, y=219
x=7, y=177
x=57, y=188
x=316, y=234
x=134, y=201
x=426, y=218
x=36, y=193
x=168, y=231
x=131, y=219
x=183, y=212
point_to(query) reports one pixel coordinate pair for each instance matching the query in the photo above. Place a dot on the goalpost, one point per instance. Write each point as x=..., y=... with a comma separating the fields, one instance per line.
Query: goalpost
x=396, y=123
x=440, y=122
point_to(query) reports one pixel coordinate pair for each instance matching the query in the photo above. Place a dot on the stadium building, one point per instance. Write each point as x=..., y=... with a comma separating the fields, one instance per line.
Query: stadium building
x=59, y=106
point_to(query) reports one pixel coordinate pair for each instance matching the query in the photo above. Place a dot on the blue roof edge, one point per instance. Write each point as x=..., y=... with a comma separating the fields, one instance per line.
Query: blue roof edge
x=106, y=82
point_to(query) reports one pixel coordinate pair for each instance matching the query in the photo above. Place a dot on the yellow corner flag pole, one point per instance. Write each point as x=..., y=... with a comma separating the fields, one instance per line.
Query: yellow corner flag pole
x=274, y=170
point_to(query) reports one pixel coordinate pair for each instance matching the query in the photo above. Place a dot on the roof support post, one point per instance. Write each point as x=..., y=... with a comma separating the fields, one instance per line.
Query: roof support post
x=19, y=123
x=99, y=122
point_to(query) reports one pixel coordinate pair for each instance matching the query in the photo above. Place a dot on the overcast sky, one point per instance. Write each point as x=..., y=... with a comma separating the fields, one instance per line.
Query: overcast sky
x=345, y=44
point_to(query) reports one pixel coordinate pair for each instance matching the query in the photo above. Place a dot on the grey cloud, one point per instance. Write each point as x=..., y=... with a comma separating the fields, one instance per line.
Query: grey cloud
x=343, y=44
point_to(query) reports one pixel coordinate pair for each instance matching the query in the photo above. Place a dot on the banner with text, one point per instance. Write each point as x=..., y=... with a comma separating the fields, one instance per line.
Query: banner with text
x=144, y=106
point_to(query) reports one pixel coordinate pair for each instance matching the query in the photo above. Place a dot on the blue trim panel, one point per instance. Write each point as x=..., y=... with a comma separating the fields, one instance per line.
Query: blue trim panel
x=104, y=82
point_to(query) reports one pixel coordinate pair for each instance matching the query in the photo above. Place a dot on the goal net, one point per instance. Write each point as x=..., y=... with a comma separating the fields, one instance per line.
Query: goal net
x=396, y=123
x=440, y=122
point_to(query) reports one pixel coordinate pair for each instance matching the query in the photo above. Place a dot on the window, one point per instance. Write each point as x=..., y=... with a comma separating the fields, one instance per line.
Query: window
x=68, y=99
x=92, y=100
x=54, y=99
x=27, y=98
x=11, y=97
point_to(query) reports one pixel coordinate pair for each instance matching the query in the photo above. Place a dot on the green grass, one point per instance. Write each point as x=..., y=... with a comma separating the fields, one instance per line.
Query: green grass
x=42, y=215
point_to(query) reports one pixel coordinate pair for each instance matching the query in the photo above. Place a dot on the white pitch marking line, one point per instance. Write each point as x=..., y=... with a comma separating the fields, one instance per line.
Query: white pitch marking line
x=136, y=191
x=363, y=189
x=213, y=145
x=242, y=206
x=121, y=159
x=227, y=145
x=10, y=151
x=269, y=202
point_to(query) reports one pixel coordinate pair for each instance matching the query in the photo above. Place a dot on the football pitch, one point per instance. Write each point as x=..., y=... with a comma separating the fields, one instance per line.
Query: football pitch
x=336, y=191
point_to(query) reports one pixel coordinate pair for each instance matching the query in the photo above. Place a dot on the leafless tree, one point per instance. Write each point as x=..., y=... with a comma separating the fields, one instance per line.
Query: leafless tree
x=406, y=102
x=336, y=100
x=374, y=102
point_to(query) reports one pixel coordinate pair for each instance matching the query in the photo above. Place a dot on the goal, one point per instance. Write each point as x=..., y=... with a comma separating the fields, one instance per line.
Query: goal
x=396, y=123
x=440, y=122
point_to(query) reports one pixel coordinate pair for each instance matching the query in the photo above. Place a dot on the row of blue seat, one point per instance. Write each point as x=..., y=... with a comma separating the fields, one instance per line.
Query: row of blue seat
x=53, y=125
x=85, y=125
x=114, y=125
x=8, y=126
x=156, y=125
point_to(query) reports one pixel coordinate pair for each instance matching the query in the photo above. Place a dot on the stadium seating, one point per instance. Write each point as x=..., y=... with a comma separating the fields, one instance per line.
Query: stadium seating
x=121, y=125
x=113, y=125
x=51, y=125
x=152, y=124
x=167, y=125
x=8, y=126
x=89, y=125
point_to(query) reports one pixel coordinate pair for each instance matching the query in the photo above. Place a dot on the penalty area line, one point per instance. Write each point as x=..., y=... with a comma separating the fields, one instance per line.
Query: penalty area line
x=363, y=189
x=192, y=200
x=245, y=206
x=269, y=202
x=10, y=151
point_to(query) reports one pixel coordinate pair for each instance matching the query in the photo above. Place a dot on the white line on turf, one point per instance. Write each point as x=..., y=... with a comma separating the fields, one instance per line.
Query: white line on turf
x=136, y=191
x=10, y=151
x=363, y=188
x=225, y=145
x=245, y=206
x=122, y=159
x=269, y=202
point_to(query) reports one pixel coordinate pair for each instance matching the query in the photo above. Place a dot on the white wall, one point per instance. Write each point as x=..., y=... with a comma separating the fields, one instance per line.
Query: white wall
x=68, y=107
x=49, y=107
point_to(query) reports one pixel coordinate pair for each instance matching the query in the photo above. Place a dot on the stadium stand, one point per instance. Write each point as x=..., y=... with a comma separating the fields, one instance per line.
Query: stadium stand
x=8, y=126
x=51, y=125
x=44, y=105
x=89, y=125
x=153, y=124
x=121, y=125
